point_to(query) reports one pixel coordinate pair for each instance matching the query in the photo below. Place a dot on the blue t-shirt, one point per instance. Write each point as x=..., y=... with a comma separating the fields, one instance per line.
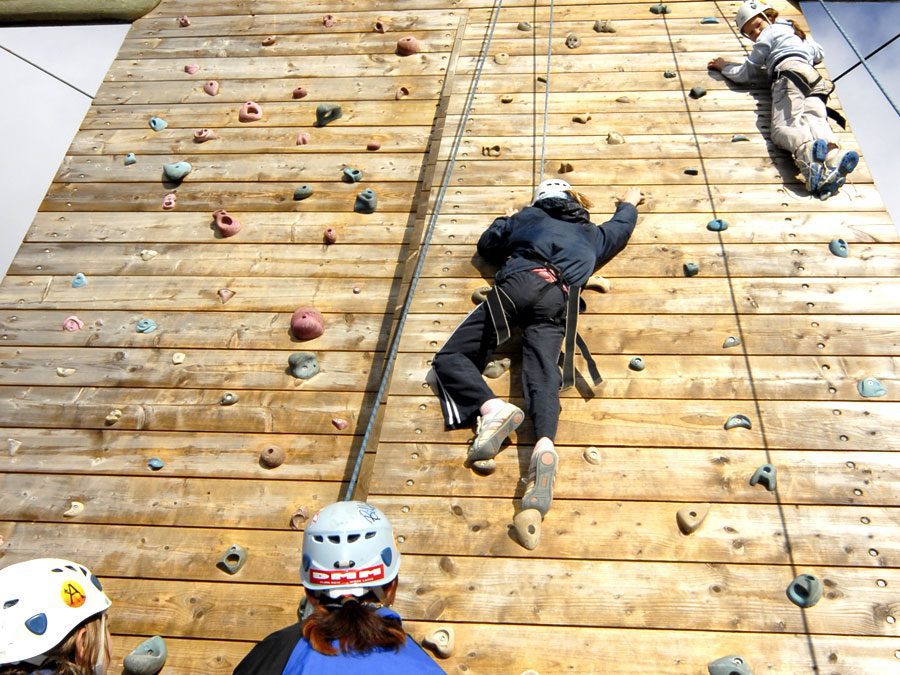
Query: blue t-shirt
x=408, y=659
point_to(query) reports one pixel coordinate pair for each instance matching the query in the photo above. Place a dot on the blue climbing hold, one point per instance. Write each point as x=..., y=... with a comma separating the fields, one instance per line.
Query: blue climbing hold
x=146, y=326
x=130, y=159
x=738, y=421
x=765, y=476
x=717, y=225
x=729, y=665
x=709, y=19
x=870, y=388
x=366, y=202
x=352, y=175
x=155, y=463
x=79, y=281
x=839, y=248
x=805, y=590
x=177, y=170
x=158, y=123
x=148, y=658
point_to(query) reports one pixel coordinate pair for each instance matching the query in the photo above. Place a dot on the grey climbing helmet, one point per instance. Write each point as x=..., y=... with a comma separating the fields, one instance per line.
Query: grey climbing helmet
x=747, y=11
x=348, y=549
x=554, y=187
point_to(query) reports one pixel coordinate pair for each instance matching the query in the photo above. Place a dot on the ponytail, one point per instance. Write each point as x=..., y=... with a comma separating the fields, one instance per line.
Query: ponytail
x=580, y=198
x=355, y=625
x=772, y=15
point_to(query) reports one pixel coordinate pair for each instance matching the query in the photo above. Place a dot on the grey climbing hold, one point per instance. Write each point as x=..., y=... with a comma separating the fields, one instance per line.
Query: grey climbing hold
x=302, y=192
x=524, y=26
x=148, y=658
x=177, y=171
x=604, y=26
x=272, y=457
x=155, y=464
x=582, y=119
x=501, y=59
x=527, y=525
x=709, y=19
x=691, y=171
x=158, y=123
x=839, y=248
x=479, y=295
x=79, y=281
x=496, y=368
x=327, y=113
x=659, y=9
x=690, y=518
x=351, y=175
x=233, y=559
x=366, y=201
x=767, y=476
x=573, y=41
x=637, y=363
x=145, y=326
x=303, y=365
x=717, y=225
x=441, y=640
x=729, y=665
x=805, y=590
x=739, y=138
x=228, y=398
x=669, y=74
x=66, y=372
x=731, y=341
x=691, y=269
x=870, y=388
x=697, y=92
x=592, y=455
x=130, y=159
x=738, y=420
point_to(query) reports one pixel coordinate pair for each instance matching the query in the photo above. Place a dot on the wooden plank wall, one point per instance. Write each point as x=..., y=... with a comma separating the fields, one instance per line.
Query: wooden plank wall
x=613, y=587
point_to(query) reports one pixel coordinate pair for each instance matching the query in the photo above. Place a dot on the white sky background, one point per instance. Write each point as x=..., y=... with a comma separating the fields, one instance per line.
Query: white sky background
x=874, y=122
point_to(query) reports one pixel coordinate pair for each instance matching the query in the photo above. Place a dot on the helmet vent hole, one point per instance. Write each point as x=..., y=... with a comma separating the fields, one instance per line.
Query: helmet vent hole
x=334, y=538
x=369, y=535
x=319, y=538
x=69, y=567
x=352, y=537
x=10, y=603
x=56, y=569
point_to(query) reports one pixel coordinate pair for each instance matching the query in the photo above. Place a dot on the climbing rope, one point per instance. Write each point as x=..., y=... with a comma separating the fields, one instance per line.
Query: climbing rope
x=423, y=250
x=546, y=89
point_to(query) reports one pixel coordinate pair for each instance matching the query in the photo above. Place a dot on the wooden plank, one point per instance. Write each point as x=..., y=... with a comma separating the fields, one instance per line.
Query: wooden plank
x=595, y=44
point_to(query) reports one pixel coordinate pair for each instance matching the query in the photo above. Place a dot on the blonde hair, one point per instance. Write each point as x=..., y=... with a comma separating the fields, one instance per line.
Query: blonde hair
x=580, y=198
x=62, y=659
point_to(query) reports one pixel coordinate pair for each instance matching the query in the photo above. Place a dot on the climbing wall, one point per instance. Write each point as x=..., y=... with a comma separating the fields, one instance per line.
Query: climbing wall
x=614, y=587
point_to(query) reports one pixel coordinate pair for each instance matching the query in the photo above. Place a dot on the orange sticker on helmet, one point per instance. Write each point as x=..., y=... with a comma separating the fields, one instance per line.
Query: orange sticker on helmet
x=72, y=594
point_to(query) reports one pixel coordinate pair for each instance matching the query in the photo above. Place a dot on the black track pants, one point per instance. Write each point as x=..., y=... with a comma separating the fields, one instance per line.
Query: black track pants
x=458, y=365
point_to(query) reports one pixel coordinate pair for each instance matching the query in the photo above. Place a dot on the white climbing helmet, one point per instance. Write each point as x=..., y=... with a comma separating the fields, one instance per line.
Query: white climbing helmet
x=349, y=549
x=747, y=11
x=41, y=602
x=553, y=187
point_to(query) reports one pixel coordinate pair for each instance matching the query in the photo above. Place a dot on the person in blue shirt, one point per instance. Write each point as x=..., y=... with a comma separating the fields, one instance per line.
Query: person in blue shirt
x=349, y=569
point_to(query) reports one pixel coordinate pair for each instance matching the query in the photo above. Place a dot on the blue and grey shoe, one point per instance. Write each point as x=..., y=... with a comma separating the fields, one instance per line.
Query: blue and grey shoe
x=810, y=160
x=836, y=176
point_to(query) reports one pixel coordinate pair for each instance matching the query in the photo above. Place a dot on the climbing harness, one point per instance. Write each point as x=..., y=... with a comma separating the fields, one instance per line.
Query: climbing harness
x=807, y=87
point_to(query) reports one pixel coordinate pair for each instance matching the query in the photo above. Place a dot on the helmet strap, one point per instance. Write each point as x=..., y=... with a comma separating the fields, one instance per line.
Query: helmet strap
x=100, y=661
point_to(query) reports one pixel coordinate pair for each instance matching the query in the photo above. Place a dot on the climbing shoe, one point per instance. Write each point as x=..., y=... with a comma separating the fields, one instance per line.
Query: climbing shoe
x=837, y=165
x=492, y=430
x=541, y=475
x=810, y=160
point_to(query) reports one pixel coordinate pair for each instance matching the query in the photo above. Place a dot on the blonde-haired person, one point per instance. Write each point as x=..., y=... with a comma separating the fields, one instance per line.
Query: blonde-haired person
x=784, y=54
x=52, y=619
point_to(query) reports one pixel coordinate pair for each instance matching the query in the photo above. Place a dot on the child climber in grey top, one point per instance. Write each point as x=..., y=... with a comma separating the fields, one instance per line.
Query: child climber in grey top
x=784, y=54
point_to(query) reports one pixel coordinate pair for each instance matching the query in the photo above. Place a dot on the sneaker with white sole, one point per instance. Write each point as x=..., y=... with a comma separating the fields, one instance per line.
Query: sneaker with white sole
x=836, y=171
x=492, y=430
x=810, y=159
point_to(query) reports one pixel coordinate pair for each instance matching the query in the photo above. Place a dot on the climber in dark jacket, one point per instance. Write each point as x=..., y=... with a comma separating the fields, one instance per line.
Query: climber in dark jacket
x=546, y=253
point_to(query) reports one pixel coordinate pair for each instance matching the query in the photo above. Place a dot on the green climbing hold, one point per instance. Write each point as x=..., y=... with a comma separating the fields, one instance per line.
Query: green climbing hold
x=327, y=113
x=177, y=171
x=351, y=175
x=303, y=365
x=366, y=202
x=233, y=559
x=637, y=363
x=717, y=225
x=709, y=19
x=158, y=123
x=738, y=420
x=805, y=590
x=145, y=326
x=130, y=159
x=659, y=9
x=691, y=269
x=839, y=248
x=148, y=658
x=870, y=388
x=729, y=665
x=669, y=74
x=697, y=92
x=739, y=138
x=765, y=476
x=302, y=192
x=79, y=280
x=731, y=341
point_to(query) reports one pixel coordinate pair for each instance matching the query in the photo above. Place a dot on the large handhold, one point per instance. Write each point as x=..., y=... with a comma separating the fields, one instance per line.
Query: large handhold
x=302, y=192
x=177, y=171
x=729, y=665
x=326, y=113
x=148, y=658
x=839, y=248
x=307, y=324
x=738, y=421
x=805, y=590
x=441, y=640
x=407, y=46
x=226, y=224
x=767, y=476
x=366, y=201
x=870, y=388
x=303, y=365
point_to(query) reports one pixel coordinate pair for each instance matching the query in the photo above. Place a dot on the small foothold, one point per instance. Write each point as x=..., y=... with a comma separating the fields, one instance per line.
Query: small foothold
x=691, y=269
x=402, y=92
x=303, y=365
x=766, y=475
x=496, y=368
x=225, y=294
x=524, y=26
x=192, y=68
x=501, y=59
x=329, y=236
x=300, y=92
x=299, y=518
x=592, y=455
x=372, y=146
x=506, y=98
x=527, y=524
x=225, y=223
x=566, y=167
x=155, y=464
x=72, y=323
x=542, y=79
x=178, y=358
x=268, y=41
x=479, y=295
x=12, y=446
x=203, y=135
x=158, y=123
x=177, y=171
x=615, y=138
x=351, y=175
x=148, y=254
x=870, y=388
x=145, y=326
x=184, y=21
x=669, y=74
x=65, y=372
x=739, y=138
x=357, y=290
x=729, y=665
x=717, y=225
x=379, y=27
x=75, y=509
x=271, y=457
x=692, y=171
x=839, y=248
x=490, y=150
x=130, y=159
x=148, y=658
x=407, y=46
x=573, y=41
x=659, y=9
x=302, y=192
x=604, y=26
x=709, y=19
x=690, y=518
x=303, y=138
x=228, y=398
x=327, y=113
x=697, y=92
x=441, y=640
x=731, y=341
x=805, y=590
x=233, y=559
x=637, y=363
x=598, y=283
x=211, y=88
x=624, y=99
x=113, y=416
x=79, y=280
x=250, y=112
x=307, y=324
x=328, y=20
x=738, y=420
x=582, y=119
x=366, y=201
x=340, y=423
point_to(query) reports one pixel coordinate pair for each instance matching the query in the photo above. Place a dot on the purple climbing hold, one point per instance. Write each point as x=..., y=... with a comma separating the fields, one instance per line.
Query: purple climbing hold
x=225, y=223
x=192, y=68
x=300, y=92
x=250, y=112
x=184, y=21
x=211, y=88
x=407, y=46
x=307, y=324
x=339, y=423
x=72, y=324
x=203, y=135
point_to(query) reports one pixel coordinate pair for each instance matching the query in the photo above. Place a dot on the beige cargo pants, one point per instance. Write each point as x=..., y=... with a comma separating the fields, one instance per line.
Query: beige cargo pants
x=798, y=119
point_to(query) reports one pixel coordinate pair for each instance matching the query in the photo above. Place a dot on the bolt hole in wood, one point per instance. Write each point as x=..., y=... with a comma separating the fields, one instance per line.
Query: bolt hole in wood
x=865, y=520
x=881, y=583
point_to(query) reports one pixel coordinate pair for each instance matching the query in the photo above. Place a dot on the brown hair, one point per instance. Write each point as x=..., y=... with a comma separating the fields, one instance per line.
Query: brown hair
x=580, y=198
x=772, y=14
x=62, y=659
x=356, y=627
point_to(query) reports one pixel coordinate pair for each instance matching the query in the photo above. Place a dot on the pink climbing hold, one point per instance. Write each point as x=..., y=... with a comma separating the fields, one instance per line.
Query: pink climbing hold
x=372, y=146
x=169, y=201
x=340, y=423
x=250, y=112
x=303, y=138
x=225, y=294
x=184, y=21
x=328, y=21
x=407, y=46
x=225, y=224
x=329, y=236
x=300, y=92
x=211, y=88
x=203, y=135
x=72, y=324
x=192, y=68
x=307, y=324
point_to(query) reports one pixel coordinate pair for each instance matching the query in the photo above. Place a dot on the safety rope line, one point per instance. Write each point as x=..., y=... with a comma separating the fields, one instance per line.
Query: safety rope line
x=423, y=250
x=547, y=89
x=868, y=56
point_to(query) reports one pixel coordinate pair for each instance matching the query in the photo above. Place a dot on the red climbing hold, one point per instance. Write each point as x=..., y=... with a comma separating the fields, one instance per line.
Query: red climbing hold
x=329, y=236
x=203, y=135
x=184, y=21
x=250, y=112
x=328, y=21
x=211, y=88
x=300, y=92
x=192, y=68
x=407, y=46
x=372, y=146
x=225, y=224
x=307, y=324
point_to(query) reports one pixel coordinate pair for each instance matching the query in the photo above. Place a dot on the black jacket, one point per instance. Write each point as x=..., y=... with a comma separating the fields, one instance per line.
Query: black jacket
x=556, y=231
